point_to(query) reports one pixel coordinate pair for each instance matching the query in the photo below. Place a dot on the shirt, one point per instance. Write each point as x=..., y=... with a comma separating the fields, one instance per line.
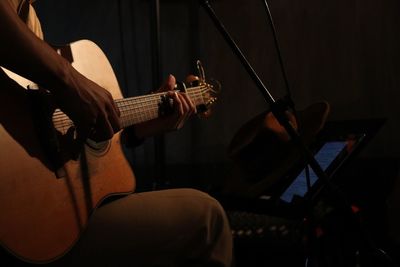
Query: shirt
x=32, y=20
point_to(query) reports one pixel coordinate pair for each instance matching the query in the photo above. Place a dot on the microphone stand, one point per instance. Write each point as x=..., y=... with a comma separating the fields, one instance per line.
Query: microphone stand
x=159, y=179
x=278, y=109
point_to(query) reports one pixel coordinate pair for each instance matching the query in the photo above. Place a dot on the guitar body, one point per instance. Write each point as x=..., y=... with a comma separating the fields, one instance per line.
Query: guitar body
x=42, y=215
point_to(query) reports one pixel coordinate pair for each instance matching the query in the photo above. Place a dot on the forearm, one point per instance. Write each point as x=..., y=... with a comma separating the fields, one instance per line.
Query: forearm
x=24, y=53
x=135, y=135
x=150, y=128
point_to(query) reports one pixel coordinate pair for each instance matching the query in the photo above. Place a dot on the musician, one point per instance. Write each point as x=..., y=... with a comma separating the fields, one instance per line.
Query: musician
x=177, y=227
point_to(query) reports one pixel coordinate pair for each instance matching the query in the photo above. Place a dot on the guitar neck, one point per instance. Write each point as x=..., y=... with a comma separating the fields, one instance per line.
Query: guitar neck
x=137, y=109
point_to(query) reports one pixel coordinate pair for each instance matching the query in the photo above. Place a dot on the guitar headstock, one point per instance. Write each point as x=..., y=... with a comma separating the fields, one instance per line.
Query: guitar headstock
x=205, y=94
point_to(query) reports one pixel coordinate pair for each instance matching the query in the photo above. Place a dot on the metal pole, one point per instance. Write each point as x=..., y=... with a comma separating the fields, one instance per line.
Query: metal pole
x=159, y=141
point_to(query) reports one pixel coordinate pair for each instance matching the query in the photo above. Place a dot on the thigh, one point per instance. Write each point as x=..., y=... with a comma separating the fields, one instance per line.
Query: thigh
x=147, y=229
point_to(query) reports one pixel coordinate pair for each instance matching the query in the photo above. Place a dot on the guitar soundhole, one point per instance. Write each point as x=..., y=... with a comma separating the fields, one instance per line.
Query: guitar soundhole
x=99, y=148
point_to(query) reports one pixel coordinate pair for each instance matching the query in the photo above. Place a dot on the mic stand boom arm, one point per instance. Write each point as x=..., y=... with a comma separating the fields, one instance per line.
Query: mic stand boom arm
x=279, y=107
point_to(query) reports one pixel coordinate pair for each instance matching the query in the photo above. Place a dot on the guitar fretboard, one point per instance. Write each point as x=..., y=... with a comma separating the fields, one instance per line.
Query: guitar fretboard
x=137, y=109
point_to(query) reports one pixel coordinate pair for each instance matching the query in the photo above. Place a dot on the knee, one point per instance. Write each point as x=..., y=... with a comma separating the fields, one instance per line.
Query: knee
x=207, y=204
x=209, y=238
x=216, y=231
x=212, y=214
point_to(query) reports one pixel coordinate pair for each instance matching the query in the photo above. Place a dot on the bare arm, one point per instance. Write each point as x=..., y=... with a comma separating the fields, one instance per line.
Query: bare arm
x=90, y=106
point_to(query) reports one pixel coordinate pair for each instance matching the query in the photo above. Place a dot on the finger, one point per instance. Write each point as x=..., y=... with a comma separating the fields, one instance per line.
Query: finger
x=84, y=123
x=190, y=103
x=171, y=82
x=191, y=78
x=103, y=130
x=114, y=120
x=115, y=124
x=178, y=106
x=185, y=103
x=115, y=108
x=186, y=111
x=98, y=130
x=168, y=85
x=110, y=101
x=84, y=131
x=179, y=111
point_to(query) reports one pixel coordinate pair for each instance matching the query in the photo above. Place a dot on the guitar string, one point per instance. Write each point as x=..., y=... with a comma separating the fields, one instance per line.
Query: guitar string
x=126, y=114
x=126, y=119
x=132, y=105
x=195, y=88
x=149, y=98
x=189, y=90
x=128, y=111
x=198, y=98
x=124, y=104
x=130, y=117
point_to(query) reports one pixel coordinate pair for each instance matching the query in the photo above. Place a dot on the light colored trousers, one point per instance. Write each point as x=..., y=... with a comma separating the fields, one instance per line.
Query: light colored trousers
x=176, y=227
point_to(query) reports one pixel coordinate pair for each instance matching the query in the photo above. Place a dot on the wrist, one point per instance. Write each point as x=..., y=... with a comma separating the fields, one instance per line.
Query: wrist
x=60, y=75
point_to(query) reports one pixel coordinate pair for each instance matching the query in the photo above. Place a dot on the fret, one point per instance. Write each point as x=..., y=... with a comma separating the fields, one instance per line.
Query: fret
x=144, y=108
x=137, y=109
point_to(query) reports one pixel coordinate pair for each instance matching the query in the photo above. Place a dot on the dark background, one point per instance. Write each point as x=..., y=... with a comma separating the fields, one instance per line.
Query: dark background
x=344, y=52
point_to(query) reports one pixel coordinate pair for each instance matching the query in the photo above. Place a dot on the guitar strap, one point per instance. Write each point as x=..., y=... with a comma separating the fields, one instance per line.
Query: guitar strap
x=23, y=13
x=28, y=15
x=23, y=10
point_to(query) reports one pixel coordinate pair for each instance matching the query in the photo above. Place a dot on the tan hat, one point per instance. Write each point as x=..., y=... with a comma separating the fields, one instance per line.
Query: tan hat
x=263, y=153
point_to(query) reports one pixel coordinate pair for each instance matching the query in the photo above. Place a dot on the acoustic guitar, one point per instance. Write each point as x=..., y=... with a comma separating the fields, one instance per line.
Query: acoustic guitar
x=49, y=183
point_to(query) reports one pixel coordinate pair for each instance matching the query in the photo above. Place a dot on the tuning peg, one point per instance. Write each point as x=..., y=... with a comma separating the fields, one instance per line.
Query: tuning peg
x=192, y=80
x=200, y=70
